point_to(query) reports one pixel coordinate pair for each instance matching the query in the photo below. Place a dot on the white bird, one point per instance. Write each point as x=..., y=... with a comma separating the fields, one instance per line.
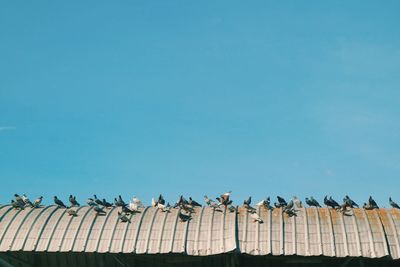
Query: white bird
x=137, y=201
x=164, y=208
x=261, y=203
x=153, y=202
x=26, y=200
x=256, y=217
x=297, y=202
x=133, y=206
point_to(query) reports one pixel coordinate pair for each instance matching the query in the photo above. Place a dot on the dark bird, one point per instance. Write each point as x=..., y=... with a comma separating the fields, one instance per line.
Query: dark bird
x=72, y=200
x=184, y=217
x=37, y=202
x=97, y=201
x=367, y=206
x=106, y=204
x=123, y=217
x=349, y=202
x=59, y=203
x=330, y=202
x=247, y=201
x=393, y=204
x=312, y=202
x=126, y=209
x=17, y=205
x=281, y=201
x=18, y=198
x=290, y=212
x=161, y=200
x=99, y=210
x=316, y=203
x=193, y=202
x=119, y=202
x=290, y=205
x=372, y=203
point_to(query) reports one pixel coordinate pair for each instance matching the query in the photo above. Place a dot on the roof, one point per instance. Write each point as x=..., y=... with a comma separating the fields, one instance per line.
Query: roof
x=314, y=232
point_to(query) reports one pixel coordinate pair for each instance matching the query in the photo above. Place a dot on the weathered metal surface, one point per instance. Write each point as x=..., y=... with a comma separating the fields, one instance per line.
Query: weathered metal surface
x=313, y=232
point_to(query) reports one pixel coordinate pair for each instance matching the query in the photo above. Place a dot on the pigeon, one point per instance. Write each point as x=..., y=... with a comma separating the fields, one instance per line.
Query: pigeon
x=181, y=201
x=184, y=217
x=163, y=207
x=98, y=201
x=289, y=206
x=256, y=217
x=59, y=203
x=99, y=210
x=349, y=202
x=207, y=200
x=281, y=201
x=153, y=202
x=137, y=201
x=122, y=216
x=193, y=202
x=72, y=212
x=90, y=202
x=297, y=202
x=316, y=204
x=368, y=206
x=126, y=209
x=106, y=204
x=226, y=195
x=372, y=203
x=329, y=203
x=290, y=212
x=26, y=200
x=119, y=202
x=72, y=200
x=211, y=203
x=312, y=202
x=247, y=201
x=37, y=202
x=18, y=198
x=161, y=200
x=265, y=203
x=133, y=206
x=17, y=205
x=393, y=204
x=334, y=204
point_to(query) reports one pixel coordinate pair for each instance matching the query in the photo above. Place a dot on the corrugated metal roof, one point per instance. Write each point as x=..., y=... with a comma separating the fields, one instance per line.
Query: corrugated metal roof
x=313, y=232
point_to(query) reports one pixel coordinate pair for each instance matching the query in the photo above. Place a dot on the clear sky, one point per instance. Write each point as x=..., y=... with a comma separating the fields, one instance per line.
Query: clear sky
x=199, y=97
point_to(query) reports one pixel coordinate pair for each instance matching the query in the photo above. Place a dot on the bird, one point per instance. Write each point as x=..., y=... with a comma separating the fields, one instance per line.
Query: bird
x=281, y=202
x=226, y=194
x=72, y=200
x=99, y=210
x=90, y=202
x=349, y=202
x=256, y=217
x=18, y=198
x=184, y=217
x=265, y=203
x=163, y=207
x=393, y=204
x=119, y=202
x=372, y=203
x=289, y=206
x=161, y=200
x=154, y=202
x=316, y=203
x=106, y=204
x=59, y=203
x=72, y=212
x=207, y=200
x=133, y=206
x=97, y=201
x=297, y=202
x=193, y=202
x=330, y=203
x=290, y=212
x=137, y=201
x=36, y=202
x=123, y=217
x=17, y=205
x=26, y=200
x=211, y=203
x=368, y=206
x=246, y=204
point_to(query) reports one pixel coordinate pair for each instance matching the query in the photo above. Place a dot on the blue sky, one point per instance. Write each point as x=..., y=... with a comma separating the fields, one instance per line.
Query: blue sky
x=188, y=97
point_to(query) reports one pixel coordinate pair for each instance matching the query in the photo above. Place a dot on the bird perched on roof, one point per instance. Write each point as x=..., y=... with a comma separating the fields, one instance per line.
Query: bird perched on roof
x=312, y=202
x=37, y=202
x=119, y=202
x=348, y=202
x=97, y=201
x=123, y=217
x=289, y=206
x=393, y=204
x=153, y=202
x=281, y=202
x=297, y=202
x=99, y=210
x=224, y=199
x=137, y=201
x=266, y=203
x=18, y=198
x=72, y=200
x=184, y=217
x=330, y=202
x=163, y=207
x=17, y=205
x=290, y=212
x=59, y=203
x=26, y=200
x=90, y=202
x=72, y=212
x=106, y=204
x=193, y=202
x=161, y=200
x=211, y=203
x=372, y=203
x=256, y=218
x=133, y=206
x=246, y=204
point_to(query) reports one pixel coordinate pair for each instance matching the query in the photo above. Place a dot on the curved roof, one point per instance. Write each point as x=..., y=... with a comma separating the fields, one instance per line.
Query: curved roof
x=314, y=232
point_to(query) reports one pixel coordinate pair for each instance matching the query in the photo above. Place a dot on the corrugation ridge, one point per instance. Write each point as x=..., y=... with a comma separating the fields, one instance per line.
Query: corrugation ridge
x=8, y=226
x=184, y=236
x=333, y=246
x=257, y=235
x=160, y=237
x=67, y=228
x=43, y=227
x=357, y=233
x=395, y=232
x=79, y=228
x=294, y=233
x=102, y=228
x=223, y=231
x=306, y=238
x=31, y=227
x=282, y=233
x=197, y=234
x=319, y=234
x=345, y=242
x=371, y=239
x=244, y=232
x=173, y=230
x=209, y=235
x=5, y=213
x=19, y=228
x=269, y=237
x=138, y=226
x=381, y=229
x=90, y=231
x=113, y=232
x=54, y=229
x=146, y=244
